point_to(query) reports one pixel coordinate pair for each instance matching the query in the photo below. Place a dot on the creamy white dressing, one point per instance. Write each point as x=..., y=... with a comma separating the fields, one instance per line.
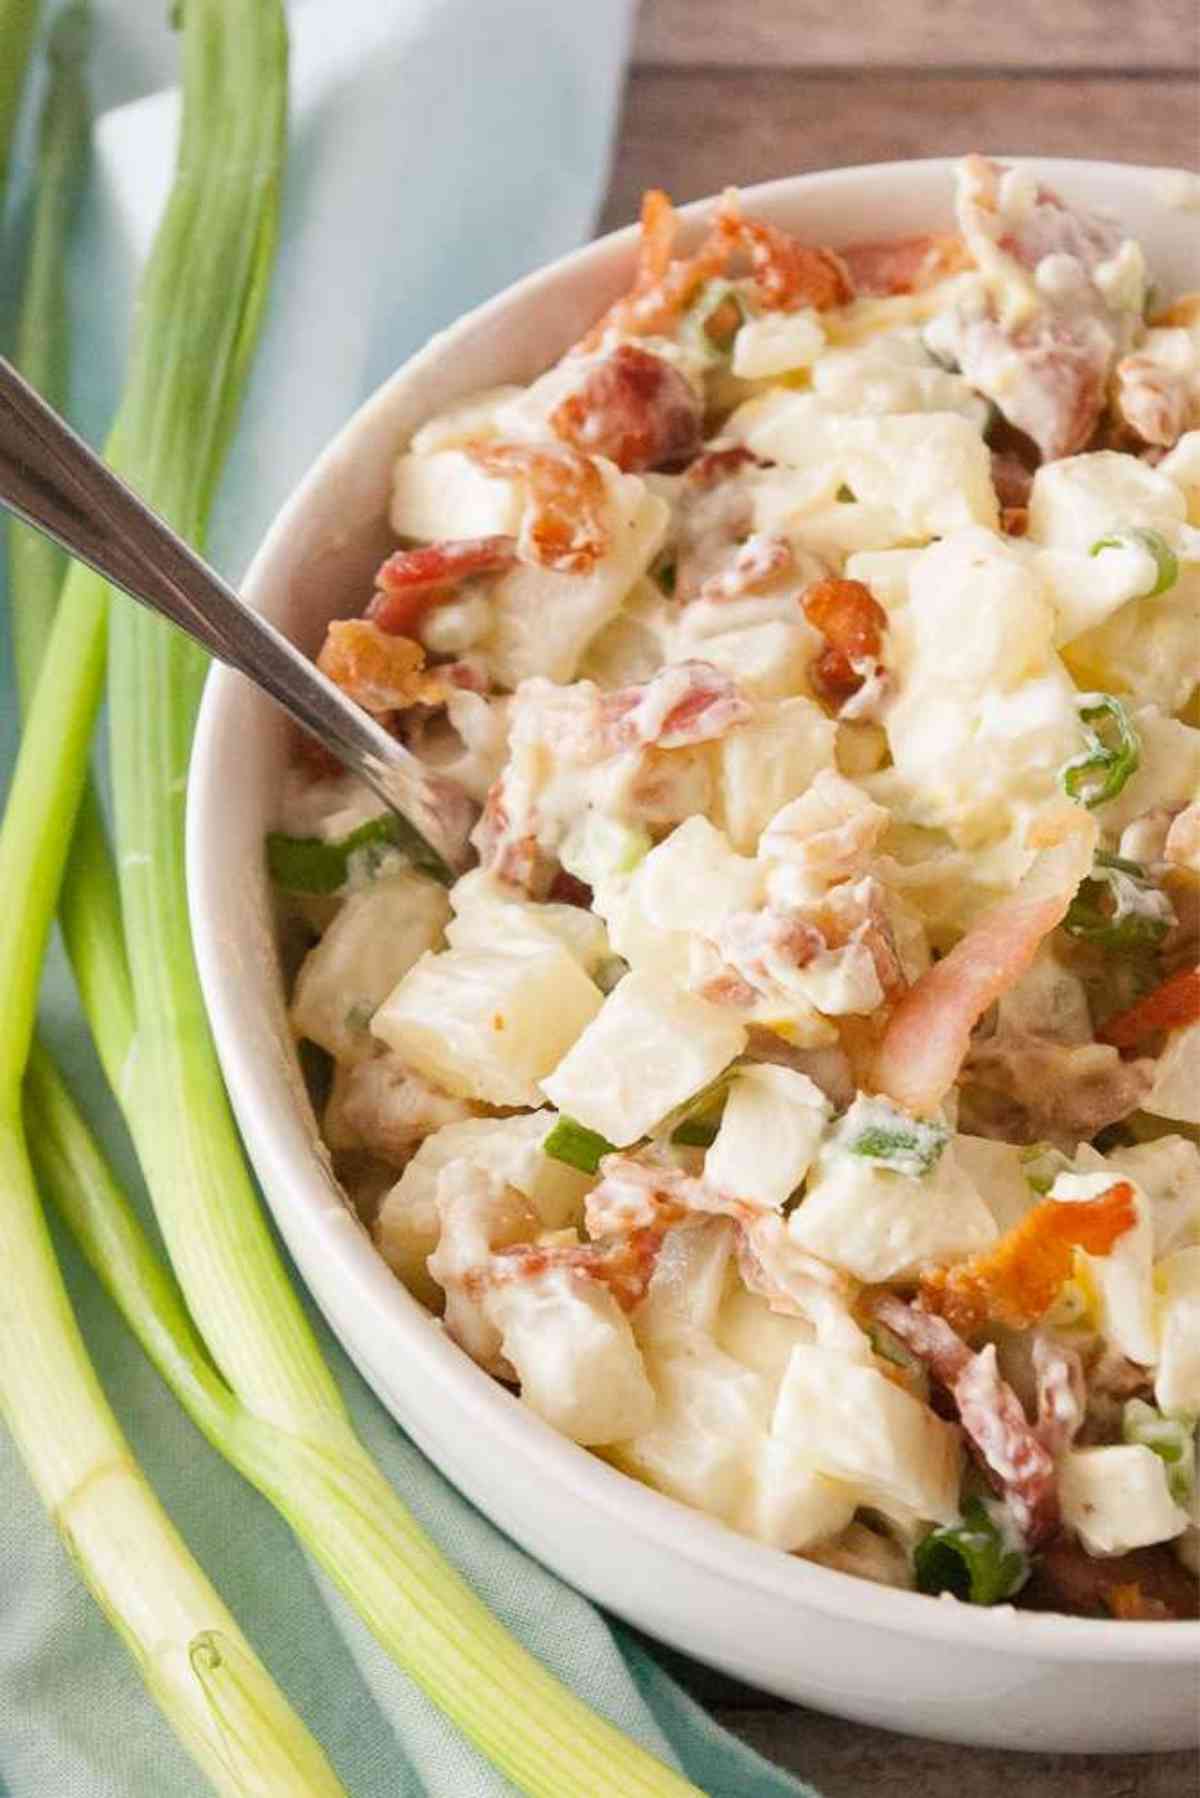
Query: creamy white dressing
x=719, y=847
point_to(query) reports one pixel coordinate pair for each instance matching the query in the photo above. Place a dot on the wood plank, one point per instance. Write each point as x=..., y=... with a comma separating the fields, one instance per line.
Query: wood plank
x=843, y=1760
x=1068, y=34
x=695, y=132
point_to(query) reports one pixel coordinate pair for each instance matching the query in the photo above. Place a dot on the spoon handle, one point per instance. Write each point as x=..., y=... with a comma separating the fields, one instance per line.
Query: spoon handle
x=52, y=480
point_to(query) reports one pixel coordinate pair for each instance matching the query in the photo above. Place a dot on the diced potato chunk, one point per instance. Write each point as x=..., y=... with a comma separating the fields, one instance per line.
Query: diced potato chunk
x=651, y=1046
x=851, y=1423
x=446, y=494
x=1176, y=1090
x=372, y=943
x=1177, y=1383
x=777, y=343
x=792, y=1506
x=932, y=469
x=689, y=1281
x=489, y=1024
x=489, y=915
x=772, y=1124
x=882, y=1225
x=711, y=1417
x=758, y=1337
x=1116, y=1498
x=1079, y=499
x=575, y=1355
x=542, y=622
x=767, y=761
x=1121, y=1281
x=510, y=1150
x=692, y=881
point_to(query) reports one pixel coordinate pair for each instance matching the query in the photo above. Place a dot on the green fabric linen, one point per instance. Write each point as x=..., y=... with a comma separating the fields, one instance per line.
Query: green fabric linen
x=74, y=1719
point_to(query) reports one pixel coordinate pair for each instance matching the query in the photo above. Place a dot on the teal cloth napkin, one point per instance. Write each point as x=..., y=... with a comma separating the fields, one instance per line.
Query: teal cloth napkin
x=440, y=149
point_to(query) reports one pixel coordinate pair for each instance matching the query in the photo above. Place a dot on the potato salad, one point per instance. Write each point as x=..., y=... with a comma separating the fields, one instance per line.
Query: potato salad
x=798, y=1104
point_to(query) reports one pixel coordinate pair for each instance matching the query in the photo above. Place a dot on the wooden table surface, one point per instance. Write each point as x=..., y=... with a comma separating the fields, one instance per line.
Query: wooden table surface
x=738, y=91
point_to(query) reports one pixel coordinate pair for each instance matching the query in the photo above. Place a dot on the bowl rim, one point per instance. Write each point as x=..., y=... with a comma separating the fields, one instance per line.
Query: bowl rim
x=298, y=1187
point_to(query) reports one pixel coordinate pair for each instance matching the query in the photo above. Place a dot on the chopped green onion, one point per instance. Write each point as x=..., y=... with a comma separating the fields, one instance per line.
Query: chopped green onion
x=311, y=865
x=577, y=1146
x=1137, y=536
x=1118, y=909
x=609, y=972
x=971, y=1559
x=599, y=848
x=702, y=1110
x=1041, y=1164
x=890, y=1348
x=881, y=1132
x=1100, y=771
x=1172, y=1436
x=714, y=319
x=844, y=495
x=696, y=1133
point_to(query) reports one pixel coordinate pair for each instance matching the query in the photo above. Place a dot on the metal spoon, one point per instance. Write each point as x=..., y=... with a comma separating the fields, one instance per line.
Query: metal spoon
x=51, y=479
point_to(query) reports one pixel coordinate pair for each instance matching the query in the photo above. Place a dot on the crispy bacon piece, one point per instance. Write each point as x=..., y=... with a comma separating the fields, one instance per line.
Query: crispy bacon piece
x=786, y=274
x=1013, y=482
x=413, y=581
x=685, y=703
x=1019, y=1087
x=635, y=409
x=1061, y=1394
x=929, y=1033
x=852, y=622
x=1175, y=1003
x=512, y=856
x=565, y=889
x=625, y=1266
x=1017, y=1280
x=989, y=1410
x=1146, y=1584
x=904, y=264
x=380, y=672
x=564, y=526
x=717, y=465
x=715, y=515
x=661, y=287
x=637, y=1195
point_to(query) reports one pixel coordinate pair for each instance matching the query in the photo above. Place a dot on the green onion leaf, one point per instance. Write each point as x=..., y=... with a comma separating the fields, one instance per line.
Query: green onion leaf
x=702, y=1111
x=1172, y=1436
x=311, y=865
x=971, y=1559
x=577, y=1146
x=1136, y=536
x=1100, y=771
x=881, y=1132
x=1118, y=909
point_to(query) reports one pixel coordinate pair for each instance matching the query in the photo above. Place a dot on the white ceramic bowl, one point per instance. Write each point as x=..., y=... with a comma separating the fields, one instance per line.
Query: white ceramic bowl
x=890, y=1658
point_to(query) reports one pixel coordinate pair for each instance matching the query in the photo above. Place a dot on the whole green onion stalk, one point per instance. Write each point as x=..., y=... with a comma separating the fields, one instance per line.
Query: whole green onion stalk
x=188, y=1647
x=276, y=1413
x=18, y=27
